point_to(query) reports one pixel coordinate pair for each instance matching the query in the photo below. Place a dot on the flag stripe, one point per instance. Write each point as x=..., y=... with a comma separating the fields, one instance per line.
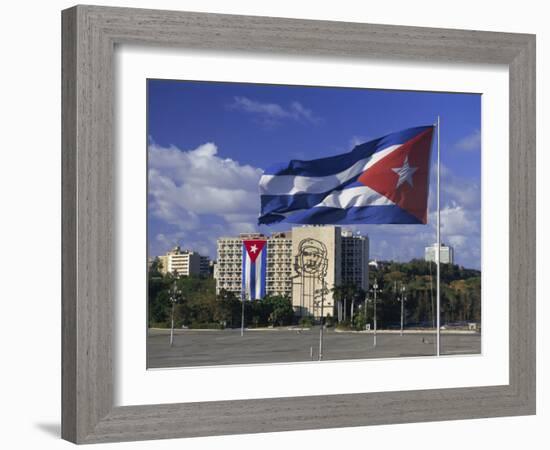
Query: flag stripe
x=258, y=278
x=243, y=274
x=354, y=215
x=297, y=184
x=280, y=203
x=356, y=195
x=335, y=164
x=252, y=278
x=264, y=272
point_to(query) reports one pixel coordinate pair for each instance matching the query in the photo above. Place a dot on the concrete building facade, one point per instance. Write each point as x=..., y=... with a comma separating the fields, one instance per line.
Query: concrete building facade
x=446, y=254
x=205, y=268
x=317, y=255
x=355, y=260
x=228, y=269
x=279, y=264
x=183, y=262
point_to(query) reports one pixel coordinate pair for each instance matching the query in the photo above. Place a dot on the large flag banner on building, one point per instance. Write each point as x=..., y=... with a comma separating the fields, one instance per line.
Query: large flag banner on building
x=254, y=268
x=380, y=182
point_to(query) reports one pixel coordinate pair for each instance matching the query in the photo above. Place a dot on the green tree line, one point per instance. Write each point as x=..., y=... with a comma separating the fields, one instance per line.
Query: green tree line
x=460, y=293
x=415, y=282
x=196, y=304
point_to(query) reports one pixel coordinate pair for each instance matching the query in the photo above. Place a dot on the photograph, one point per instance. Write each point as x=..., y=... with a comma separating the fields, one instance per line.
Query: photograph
x=310, y=223
x=268, y=225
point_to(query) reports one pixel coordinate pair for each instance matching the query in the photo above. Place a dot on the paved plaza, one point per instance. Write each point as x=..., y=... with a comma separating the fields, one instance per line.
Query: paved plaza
x=222, y=347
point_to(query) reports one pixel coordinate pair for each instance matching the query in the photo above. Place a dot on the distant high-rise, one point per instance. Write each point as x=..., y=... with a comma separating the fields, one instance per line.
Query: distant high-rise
x=355, y=259
x=446, y=254
x=205, y=267
x=184, y=263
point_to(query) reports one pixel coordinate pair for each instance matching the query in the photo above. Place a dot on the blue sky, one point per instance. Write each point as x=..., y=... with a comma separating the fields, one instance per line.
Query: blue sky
x=209, y=142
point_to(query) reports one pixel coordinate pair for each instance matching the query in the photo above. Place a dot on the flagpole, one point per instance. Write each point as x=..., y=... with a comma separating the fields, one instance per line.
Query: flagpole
x=438, y=253
x=243, y=296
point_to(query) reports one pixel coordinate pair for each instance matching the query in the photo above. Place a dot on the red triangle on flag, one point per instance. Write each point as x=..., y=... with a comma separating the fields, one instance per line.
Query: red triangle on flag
x=254, y=247
x=403, y=175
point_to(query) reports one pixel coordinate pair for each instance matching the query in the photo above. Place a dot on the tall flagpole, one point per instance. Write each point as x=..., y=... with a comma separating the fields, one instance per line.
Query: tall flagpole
x=438, y=293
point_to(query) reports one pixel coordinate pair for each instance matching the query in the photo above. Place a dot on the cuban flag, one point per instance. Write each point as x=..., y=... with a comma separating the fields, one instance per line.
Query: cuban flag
x=254, y=268
x=380, y=182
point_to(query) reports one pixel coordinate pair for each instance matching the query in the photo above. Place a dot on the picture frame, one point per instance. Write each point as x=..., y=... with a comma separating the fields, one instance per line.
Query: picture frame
x=90, y=34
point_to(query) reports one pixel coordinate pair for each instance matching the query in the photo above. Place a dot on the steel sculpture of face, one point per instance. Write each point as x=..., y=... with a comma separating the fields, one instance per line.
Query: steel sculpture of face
x=312, y=257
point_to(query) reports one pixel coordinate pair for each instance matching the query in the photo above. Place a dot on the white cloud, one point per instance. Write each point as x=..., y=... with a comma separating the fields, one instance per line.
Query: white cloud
x=462, y=192
x=202, y=167
x=456, y=220
x=454, y=189
x=457, y=240
x=272, y=113
x=470, y=142
x=169, y=240
x=200, y=182
x=185, y=185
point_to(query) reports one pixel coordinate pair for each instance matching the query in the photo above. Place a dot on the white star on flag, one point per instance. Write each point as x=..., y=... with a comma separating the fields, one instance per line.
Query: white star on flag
x=405, y=173
x=253, y=248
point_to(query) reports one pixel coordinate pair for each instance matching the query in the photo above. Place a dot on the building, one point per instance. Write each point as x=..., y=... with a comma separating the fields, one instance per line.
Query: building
x=228, y=269
x=279, y=264
x=317, y=268
x=303, y=264
x=446, y=254
x=205, y=267
x=184, y=262
x=355, y=259
x=212, y=268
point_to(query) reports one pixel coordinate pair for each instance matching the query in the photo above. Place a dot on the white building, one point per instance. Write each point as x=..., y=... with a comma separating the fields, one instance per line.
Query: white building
x=279, y=264
x=182, y=262
x=446, y=254
x=228, y=269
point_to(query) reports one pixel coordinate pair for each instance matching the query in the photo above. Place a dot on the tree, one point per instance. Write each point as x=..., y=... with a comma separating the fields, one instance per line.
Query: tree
x=343, y=293
x=228, y=309
x=199, y=305
x=359, y=296
x=281, y=311
x=359, y=321
x=460, y=292
x=155, y=270
x=338, y=295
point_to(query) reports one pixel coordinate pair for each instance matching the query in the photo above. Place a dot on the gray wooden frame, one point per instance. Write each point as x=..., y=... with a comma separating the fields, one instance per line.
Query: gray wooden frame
x=89, y=36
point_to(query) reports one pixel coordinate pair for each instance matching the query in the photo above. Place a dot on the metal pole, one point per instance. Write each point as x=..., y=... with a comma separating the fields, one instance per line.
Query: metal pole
x=302, y=297
x=366, y=303
x=432, y=308
x=172, y=328
x=438, y=253
x=173, y=300
x=402, y=299
x=375, y=288
x=242, y=317
x=321, y=320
